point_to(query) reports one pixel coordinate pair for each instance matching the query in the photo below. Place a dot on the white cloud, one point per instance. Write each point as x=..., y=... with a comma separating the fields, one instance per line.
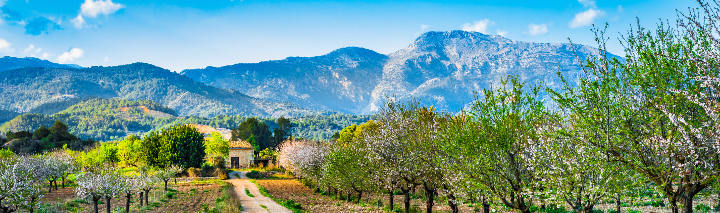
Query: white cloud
x=92, y=8
x=69, y=56
x=78, y=21
x=6, y=47
x=587, y=3
x=537, y=29
x=620, y=9
x=45, y=56
x=478, y=26
x=106, y=59
x=502, y=33
x=424, y=27
x=585, y=18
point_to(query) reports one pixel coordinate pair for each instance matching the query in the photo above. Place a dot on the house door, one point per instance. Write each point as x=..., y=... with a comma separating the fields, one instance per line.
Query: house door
x=235, y=162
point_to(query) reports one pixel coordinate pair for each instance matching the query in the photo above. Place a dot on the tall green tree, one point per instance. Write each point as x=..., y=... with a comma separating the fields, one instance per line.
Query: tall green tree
x=494, y=146
x=252, y=127
x=657, y=108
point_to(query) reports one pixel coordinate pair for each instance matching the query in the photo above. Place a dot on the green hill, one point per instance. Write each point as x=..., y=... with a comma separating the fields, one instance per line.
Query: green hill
x=112, y=119
x=47, y=90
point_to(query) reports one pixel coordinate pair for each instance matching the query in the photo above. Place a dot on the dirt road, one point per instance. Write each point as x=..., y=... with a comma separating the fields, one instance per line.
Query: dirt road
x=256, y=204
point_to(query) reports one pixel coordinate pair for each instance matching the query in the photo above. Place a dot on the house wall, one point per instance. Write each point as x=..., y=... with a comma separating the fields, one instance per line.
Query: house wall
x=245, y=156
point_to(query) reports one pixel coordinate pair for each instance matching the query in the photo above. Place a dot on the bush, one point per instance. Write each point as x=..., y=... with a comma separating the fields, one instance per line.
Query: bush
x=221, y=173
x=291, y=204
x=193, y=172
x=254, y=174
x=702, y=208
x=207, y=170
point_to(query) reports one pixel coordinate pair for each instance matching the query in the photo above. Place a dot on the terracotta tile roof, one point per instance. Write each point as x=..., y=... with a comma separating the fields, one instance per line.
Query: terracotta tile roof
x=240, y=145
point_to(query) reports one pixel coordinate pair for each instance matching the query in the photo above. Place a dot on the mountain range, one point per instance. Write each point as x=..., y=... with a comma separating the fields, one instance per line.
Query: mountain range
x=444, y=69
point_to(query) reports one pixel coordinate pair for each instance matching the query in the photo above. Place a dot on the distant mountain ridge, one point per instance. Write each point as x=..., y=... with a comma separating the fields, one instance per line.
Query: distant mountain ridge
x=443, y=69
x=11, y=63
x=27, y=89
x=337, y=81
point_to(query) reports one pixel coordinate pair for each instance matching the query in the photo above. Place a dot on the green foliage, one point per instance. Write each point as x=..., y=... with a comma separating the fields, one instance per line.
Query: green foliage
x=216, y=146
x=267, y=153
x=253, y=129
x=44, y=139
x=181, y=145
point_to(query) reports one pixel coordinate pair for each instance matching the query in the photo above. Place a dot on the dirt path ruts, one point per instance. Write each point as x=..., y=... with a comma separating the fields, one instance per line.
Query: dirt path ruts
x=253, y=204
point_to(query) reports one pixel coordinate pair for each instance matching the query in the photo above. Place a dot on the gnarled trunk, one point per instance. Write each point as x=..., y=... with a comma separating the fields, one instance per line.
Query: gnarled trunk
x=391, y=200
x=618, y=205
x=406, y=194
x=95, y=204
x=107, y=204
x=452, y=204
x=128, y=196
x=430, y=201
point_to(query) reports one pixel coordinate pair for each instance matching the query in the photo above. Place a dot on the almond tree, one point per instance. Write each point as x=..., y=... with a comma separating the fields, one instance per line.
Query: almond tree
x=657, y=109
x=496, y=146
x=128, y=186
x=578, y=174
x=168, y=173
x=96, y=185
x=304, y=158
x=347, y=166
x=19, y=189
x=145, y=183
x=390, y=150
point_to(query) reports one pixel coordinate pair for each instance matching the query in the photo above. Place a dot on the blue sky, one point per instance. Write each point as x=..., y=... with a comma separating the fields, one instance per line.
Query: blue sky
x=194, y=33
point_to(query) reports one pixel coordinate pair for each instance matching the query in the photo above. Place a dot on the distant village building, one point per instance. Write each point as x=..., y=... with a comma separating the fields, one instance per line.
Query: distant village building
x=241, y=152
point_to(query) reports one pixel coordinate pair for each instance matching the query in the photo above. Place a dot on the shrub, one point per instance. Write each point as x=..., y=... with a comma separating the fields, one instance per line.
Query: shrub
x=221, y=173
x=254, y=174
x=207, y=170
x=702, y=208
x=193, y=172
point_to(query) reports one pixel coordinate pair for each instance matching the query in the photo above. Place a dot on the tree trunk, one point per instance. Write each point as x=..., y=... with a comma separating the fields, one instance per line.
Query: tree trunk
x=50, y=187
x=147, y=195
x=95, y=205
x=166, y=184
x=406, y=193
x=63, y=182
x=359, y=196
x=430, y=201
x=687, y=204
x=618, y=204
x=486, y=206
x=452, y=204
x=128, y=196
x=673, y=205
x=141, y=198
x=349, y=195
x=107, y=204
x=391, y=200
x=717, y=208
x=588, y=209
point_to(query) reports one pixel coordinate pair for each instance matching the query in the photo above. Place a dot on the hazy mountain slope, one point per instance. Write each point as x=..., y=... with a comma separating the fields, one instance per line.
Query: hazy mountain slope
x=112, y=119
x=340, y=81
x=445, y=69
x=100, y=119
x=25, y=89
x=11, y=63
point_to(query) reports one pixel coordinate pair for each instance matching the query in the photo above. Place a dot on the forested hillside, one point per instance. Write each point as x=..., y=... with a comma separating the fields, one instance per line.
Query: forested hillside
x=43, y=89
x=112, y=119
